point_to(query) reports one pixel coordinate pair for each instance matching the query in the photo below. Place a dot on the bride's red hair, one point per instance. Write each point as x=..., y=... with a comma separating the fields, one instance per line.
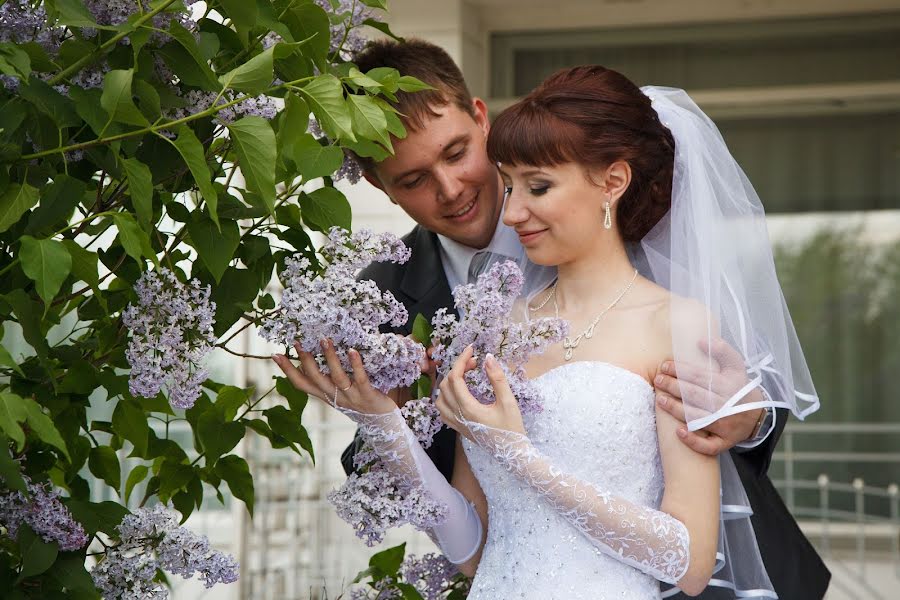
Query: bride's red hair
x=593, y=116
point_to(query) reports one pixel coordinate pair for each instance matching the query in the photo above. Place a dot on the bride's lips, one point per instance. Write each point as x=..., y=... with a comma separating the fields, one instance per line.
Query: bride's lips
x=526, y=237
x=466, y=212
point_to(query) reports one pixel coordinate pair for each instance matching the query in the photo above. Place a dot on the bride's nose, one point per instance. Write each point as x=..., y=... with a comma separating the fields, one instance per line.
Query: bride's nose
x=514, y=211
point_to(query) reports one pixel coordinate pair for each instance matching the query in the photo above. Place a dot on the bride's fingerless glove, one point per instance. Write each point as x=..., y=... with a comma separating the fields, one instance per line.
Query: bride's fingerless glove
x=649, y=540
x=459, y=536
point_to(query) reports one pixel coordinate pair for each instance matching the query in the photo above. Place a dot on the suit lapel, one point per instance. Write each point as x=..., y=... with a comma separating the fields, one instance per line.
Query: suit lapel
x=424, y=282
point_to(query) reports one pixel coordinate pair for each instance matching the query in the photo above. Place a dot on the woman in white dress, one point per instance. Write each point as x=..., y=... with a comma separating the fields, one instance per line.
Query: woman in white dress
x=634, y=199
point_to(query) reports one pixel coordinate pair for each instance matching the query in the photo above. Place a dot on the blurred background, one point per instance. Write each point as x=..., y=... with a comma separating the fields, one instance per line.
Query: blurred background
x=807, y=96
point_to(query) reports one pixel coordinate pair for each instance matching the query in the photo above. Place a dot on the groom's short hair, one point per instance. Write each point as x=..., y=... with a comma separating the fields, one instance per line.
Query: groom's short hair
x=428, y=63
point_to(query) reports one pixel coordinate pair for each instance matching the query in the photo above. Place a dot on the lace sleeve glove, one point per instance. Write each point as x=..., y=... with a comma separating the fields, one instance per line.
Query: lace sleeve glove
x=459, y=536
x=649, y=540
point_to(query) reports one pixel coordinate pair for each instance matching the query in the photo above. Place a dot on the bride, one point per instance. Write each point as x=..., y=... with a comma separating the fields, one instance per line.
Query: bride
x=653, y=231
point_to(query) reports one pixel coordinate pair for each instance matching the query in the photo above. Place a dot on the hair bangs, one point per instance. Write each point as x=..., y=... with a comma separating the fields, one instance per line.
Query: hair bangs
x=528, y=134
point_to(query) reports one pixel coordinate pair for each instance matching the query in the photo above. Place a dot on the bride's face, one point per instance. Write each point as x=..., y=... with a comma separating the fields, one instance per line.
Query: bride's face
x=557, y=211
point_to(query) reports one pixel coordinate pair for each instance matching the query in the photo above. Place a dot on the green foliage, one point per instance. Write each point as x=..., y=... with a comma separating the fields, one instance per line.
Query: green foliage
x=160, y=162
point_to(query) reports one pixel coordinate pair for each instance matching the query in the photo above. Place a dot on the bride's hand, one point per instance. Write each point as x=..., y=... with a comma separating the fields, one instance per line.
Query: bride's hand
x=338, y=389
x=458, y=406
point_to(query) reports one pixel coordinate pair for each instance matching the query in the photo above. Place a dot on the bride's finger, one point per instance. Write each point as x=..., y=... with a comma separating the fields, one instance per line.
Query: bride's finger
x=360, y=377
x=293, y=374
x=497, y=378
x=464, y=362
x=313, y=373
x=338, y=375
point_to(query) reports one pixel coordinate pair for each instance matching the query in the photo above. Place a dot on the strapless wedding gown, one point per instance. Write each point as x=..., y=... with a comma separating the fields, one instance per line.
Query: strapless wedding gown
x=599, y=424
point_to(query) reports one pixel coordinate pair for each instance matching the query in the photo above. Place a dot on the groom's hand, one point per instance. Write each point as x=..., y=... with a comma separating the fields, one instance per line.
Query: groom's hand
x=725, y=433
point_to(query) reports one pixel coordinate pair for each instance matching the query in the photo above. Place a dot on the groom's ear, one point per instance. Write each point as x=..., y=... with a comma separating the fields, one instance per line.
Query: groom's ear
x=617, y=178
x=373, y=179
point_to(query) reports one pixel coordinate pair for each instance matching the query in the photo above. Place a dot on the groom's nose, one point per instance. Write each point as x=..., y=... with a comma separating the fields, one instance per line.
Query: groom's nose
x=449, y=186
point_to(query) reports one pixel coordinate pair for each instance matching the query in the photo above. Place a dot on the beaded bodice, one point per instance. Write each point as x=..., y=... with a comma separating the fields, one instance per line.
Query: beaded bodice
x=598, y=424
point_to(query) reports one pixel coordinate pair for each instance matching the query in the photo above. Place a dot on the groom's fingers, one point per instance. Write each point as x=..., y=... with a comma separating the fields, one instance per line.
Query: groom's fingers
x=671, y=405
x=702, y=442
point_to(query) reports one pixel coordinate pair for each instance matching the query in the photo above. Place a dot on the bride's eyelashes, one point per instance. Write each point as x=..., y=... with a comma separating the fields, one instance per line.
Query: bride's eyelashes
x=538, y=190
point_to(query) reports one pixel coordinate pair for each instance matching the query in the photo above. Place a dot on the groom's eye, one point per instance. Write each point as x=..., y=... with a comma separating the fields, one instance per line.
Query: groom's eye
x=507, y=190
x=457, y=155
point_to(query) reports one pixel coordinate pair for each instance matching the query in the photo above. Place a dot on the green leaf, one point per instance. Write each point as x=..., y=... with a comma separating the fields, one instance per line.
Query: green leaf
x=140, y=186
x=72, y=13
x=252, y=77
x=369, y=120
x=287, y=423
x=103, y=462
x=315, y=160
x=218, y=436
x=185, y=58
x=136, y=476
x=388, y=561
x=14, y=61
x=310, y=22
x=47, y=263
x=97, y=516
x=130, y=422
x=192, y=152
x=421, y=330
x=84, y=267
x=325, y=208
x=37, y=555
x=28, y=314
x=325, y=96
x=173, y=477
x=230, y=399
x=254, y=142
x=235, y=472
x=14, y=202
x=68, y=571
x=7, y=360
x=10, y=470
x=50, y=102
x=57, y=202
x=243, y=13
x=408, y=83
x=361, y=80
x=215, y=245
x=375, y=4
x=296, y=398
x=117, y=101
x=43, y=427
x=388, y=78
x=134, y=240
x=12, y=412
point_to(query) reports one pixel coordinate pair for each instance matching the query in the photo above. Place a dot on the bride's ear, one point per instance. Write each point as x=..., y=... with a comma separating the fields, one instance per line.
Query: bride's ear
x=616, y=179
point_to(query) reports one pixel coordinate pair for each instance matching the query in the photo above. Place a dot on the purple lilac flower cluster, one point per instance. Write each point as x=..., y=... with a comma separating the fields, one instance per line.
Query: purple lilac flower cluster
x=487, y=306
x=432, y=575
x=21, y=21
x=198, y=101
x=346, y=36
x=128, y=570
x=171, y=334
x=116, y=12
x=334, y=304
x=44, y=513
x=378, y=500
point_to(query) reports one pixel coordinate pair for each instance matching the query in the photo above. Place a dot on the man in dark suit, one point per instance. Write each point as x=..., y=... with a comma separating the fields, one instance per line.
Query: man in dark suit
x=440, y=175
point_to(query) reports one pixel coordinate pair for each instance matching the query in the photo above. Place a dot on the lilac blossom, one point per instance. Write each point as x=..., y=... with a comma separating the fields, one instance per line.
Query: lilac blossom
x=197, y=101
x=346, y=35
x=333, y=304
x=487, y=305
x=21, y=21
x=150, y=540
x=432, y=575
x=44, y=513
x=378, y=500
x=116, y=12
x=171, y=334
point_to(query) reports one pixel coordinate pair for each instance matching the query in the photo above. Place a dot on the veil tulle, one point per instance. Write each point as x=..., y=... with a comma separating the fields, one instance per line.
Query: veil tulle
x=713, y=247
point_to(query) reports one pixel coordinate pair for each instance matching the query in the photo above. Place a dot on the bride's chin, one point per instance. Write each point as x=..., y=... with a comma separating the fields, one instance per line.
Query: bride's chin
x=542, y=258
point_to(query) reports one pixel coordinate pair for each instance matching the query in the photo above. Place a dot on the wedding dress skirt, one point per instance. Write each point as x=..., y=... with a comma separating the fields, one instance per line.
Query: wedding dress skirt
x=599, y=424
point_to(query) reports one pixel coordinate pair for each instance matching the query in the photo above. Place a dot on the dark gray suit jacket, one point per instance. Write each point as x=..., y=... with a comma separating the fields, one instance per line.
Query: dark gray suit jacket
x=796, y=571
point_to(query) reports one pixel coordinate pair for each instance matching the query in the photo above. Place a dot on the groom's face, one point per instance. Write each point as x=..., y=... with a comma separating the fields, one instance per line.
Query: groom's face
x=441, y=176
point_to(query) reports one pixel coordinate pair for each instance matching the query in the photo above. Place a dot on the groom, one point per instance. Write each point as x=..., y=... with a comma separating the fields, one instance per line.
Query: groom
x=440, y=176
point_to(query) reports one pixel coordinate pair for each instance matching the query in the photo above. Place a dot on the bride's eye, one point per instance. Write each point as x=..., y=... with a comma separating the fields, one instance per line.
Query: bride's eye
x=539, y=191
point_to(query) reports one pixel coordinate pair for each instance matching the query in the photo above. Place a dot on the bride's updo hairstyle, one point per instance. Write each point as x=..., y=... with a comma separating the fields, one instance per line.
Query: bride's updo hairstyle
x=593, y=116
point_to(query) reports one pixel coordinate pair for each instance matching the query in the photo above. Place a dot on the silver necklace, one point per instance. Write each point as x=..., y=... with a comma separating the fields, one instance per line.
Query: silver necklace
x=570, y=344
x=546, y=300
